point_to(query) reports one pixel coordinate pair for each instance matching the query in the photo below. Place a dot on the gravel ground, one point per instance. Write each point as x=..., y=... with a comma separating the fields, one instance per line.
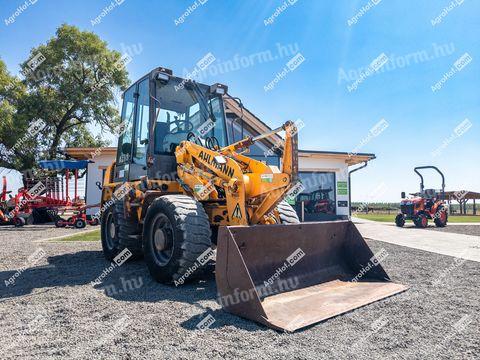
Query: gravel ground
x=53, y=311
x=459, y=229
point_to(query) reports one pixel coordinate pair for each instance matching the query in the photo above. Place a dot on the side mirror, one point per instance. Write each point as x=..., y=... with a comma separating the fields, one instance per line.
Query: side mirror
x=403, y=195
x=126, y=148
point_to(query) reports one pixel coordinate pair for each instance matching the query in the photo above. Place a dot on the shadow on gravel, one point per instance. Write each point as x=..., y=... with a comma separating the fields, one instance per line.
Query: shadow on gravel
x=218, y=319
x=129, y=282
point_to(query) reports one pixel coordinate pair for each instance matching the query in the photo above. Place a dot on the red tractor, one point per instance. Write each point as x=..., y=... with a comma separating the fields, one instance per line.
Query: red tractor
x=425, y=205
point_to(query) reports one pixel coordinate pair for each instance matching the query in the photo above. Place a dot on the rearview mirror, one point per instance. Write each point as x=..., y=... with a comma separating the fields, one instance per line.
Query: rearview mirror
x=403, y=195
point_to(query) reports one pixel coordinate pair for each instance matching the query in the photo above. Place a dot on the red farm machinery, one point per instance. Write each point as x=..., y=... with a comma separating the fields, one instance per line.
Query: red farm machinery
x=428, y=204
x=46, y=197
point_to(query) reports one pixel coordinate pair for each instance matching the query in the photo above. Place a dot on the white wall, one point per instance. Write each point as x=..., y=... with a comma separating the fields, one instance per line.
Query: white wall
x=93, y=193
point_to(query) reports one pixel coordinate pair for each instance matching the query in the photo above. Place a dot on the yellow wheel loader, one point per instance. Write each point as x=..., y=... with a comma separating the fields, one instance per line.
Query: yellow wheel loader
x=182, y=189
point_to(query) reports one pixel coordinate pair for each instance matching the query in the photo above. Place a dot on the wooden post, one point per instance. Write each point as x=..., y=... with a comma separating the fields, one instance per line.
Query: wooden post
x=474, y=208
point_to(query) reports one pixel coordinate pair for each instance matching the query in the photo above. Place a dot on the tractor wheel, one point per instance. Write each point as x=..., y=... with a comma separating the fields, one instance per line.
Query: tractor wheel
x=287, y=213
x=30, y=220
x=421, y=221
x=108, y=231
x=18, y=221
x=400, y=220
x=441, y=217
x=80, y=223
x=176, y=232
x=128, y=231
x=59, y=222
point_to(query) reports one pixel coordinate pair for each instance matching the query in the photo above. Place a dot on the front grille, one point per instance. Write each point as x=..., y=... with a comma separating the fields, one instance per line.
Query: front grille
x=407, y=209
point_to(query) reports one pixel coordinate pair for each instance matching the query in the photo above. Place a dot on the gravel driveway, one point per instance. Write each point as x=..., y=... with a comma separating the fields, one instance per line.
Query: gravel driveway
x=459, y=229
x=53, y=311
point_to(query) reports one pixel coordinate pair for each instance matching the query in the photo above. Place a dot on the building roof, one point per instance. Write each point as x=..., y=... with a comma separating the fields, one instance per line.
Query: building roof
x=350, y=158
x=89, y=153
x=233, y=106
x=462, y=194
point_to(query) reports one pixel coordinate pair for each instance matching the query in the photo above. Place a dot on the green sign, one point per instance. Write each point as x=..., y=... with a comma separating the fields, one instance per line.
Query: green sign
x=342, y=188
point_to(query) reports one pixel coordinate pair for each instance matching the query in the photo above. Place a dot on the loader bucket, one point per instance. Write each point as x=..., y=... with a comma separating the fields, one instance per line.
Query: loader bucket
x=291, y=276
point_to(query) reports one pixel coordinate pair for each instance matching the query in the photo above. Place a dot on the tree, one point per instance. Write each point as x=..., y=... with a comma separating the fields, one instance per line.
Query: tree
x=70, y=82
x=13, y=124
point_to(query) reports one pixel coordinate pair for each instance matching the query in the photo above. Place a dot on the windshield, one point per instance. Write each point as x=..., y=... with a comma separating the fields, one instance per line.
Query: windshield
x=183, y=108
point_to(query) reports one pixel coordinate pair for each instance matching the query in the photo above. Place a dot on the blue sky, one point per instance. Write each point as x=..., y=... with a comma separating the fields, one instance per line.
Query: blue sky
x=419, y=53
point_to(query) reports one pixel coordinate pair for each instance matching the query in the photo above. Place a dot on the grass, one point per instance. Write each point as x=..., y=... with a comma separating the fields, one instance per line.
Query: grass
x=89, y=236
x=391, y=218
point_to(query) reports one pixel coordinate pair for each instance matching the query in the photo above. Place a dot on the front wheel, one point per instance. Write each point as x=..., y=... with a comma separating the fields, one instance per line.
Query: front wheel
x=400, y=220
x=80, y=223
x=176, y=238
x=59, y=222
x=18, y=221
x=421, y=221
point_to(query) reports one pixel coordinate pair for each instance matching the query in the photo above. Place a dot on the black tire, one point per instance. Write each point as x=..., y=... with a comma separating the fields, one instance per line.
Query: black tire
x=108, y=231
x=59, y=222
x=18, y=222
x=439, y=222
x=80, y=223
x=287, y=213
x=400, y=220
x=29, y=220
x=176, y=232
x=129, y=232
x=421, y=221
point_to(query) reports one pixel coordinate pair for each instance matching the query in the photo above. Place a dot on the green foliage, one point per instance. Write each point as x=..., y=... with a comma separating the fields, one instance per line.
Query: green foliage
x=70, y=82
x=12, y=124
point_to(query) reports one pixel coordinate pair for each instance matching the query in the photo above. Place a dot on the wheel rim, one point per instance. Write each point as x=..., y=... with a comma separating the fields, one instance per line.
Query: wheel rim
x=424, y=221
x=162, y=239
x=110, y=232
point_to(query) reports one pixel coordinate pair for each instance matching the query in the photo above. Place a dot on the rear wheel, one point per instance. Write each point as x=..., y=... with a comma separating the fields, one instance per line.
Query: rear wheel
x=421, y=221
x=287, y=213
x=109, y=237
x=176, y=232
x=30, y=220
x=129, y=232
x=400, y=220
x=441, y=217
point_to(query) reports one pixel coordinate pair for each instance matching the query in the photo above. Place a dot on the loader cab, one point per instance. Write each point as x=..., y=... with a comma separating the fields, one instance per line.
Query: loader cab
x=159, y=111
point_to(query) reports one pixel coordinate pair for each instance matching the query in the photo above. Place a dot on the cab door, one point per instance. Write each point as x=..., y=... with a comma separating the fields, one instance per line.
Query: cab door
x=125, y=135
x=138, y=165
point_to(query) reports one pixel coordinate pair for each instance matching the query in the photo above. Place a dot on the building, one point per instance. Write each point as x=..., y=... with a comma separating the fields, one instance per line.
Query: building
x=324, y=174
